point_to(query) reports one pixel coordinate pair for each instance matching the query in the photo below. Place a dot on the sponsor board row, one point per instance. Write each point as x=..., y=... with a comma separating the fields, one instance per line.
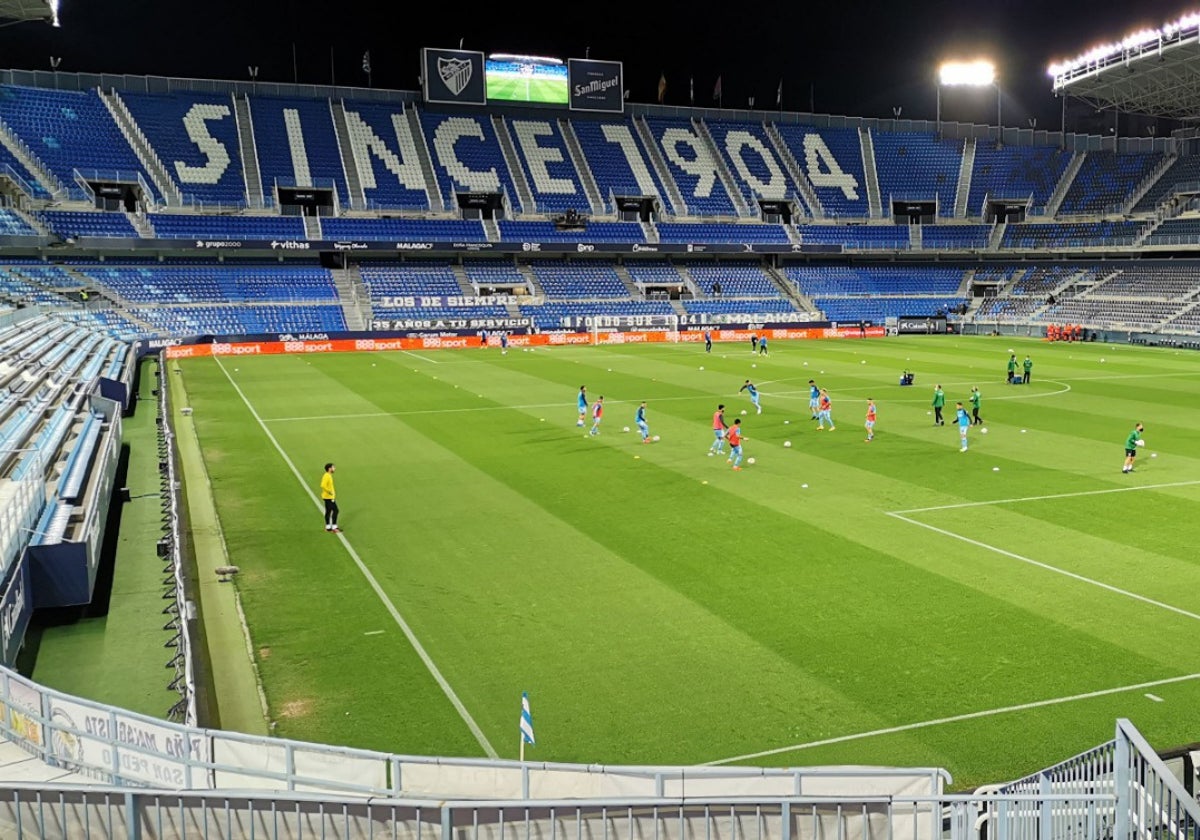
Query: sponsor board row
x=436, y=342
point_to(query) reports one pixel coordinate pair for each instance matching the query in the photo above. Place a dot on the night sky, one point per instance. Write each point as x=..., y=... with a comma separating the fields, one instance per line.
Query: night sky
x=854, y=58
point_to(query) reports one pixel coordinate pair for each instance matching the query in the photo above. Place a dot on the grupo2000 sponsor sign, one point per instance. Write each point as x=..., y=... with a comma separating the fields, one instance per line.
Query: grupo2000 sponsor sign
x=269, y=348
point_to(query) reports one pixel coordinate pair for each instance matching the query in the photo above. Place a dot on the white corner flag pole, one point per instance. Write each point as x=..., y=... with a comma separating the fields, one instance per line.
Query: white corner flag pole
x=526, y=724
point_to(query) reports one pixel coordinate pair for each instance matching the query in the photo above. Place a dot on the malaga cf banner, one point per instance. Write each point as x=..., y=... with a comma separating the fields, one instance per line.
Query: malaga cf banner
x=453, y=77
x=596, y=85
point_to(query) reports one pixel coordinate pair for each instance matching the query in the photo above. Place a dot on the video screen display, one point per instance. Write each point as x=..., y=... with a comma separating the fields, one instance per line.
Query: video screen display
x=518, y=78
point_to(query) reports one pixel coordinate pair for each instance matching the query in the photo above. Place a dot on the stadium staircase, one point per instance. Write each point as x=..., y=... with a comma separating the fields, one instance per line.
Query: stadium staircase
x=1064, y=184
x=312, y=227
x=141, y=224
x=354, y=297
x=735, y=194
x=793, y=234
x=491, y=230
x=965, y=169
x=354, y=187
x=997, y=236
x=1148, y=230
x=650, y=232
x=432, y=190
x=660, y=167
x=790, y=290
x=964, y=286
x=137, y=141
x=1166, y=325
x=26, y=157
x=249, y=152
x=103, y=297
x=581, y=166
x=623, y=275
x=915, y=237
x=524, y=194
x=465, y=286
x=1148, y=183
x=530, y=280
x=807, y=192
x=870, y=173
x=30, y=219
x=1006, y=288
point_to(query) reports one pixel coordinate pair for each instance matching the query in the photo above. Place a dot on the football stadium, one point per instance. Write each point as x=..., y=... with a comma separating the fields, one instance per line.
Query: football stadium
x=505, y=458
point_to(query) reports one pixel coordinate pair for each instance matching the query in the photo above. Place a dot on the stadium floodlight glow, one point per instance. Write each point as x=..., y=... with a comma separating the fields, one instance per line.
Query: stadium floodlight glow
x=524, y=59
x=979, y=73
x=1135, y=42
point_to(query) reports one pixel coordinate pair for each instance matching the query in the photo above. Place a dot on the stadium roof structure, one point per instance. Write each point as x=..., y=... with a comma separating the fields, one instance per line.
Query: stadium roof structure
x=1153, y=71
x=18, y=11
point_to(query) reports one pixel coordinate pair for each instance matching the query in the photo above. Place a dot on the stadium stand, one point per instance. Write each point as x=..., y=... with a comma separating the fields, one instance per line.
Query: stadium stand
x=716, y=232
x=467, y=155
x=1081, y=235
x=546, y=165
x=13, y=169
x=832, y=160
x=692, y=166
x=858, y=237
x=403, y=230
x=196, y=137
x=384, y=154
x=67, y=223
x=71, y=131
x=617, y=160
x=1106, y=181
x=191, y=226
x=747, y=151
x=1015, y=172
x=520, y=231
x=955, y=237
x=297, y=145
x=915, y=165
x=11, y=224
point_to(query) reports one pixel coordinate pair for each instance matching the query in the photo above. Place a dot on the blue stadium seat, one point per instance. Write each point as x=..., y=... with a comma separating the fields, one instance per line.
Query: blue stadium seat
x=681, y=147
x=311, y=124
x=615, y=154
x=831, y=159
x=915, y=165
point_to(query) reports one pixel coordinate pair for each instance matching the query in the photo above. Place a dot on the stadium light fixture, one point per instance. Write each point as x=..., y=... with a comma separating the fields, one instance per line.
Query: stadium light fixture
x=1132, y=45
x=978, y=73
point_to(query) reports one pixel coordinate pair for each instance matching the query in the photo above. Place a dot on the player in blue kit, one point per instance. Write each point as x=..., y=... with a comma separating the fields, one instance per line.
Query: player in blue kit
x=641, y=422
x=753, y=392
x=597, y=416
x=583, y=404
x=964, y=423
x=814, y=399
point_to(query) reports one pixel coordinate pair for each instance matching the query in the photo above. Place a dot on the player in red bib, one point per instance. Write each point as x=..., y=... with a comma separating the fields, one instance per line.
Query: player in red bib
x=870, y=420
x=735, y=445
x=597, y=416
x=719, y=426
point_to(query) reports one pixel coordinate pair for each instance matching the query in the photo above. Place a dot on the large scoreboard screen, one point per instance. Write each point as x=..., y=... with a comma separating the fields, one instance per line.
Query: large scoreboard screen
x=526, y=78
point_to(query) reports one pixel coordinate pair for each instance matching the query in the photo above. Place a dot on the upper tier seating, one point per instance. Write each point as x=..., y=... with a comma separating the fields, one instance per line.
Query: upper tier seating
x=466, y=155
x=13, y=225
x=195, y=135
x=1105, y=182
x=180, y=226
x=96, y=224
x=715, y=232
x=914, y=165
x=547, y=166
x=305, y=124
x=1015, y=172
x=840, y=281
x=752, y=160
x=1085, y=234
x=9, y=162
x=831, y=158
x=690, y=161
x=1183, y=170
x=404, y=230
x=385, y=150
x=615, y=154
x=70, y=130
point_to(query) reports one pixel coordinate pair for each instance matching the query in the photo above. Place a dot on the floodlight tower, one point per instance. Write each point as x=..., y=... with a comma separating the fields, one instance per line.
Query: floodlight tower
x=981, y=73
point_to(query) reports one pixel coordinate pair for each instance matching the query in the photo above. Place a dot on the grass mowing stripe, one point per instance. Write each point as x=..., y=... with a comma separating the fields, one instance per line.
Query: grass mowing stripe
x=387, y=602
x=1082, y=578
x=908, y=727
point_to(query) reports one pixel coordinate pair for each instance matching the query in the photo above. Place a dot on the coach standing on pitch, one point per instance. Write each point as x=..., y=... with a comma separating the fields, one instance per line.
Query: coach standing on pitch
x=329, y=496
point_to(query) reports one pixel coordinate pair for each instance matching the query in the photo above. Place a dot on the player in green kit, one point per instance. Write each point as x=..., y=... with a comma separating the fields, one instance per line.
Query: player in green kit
x=1131, y=447
x=976, y=399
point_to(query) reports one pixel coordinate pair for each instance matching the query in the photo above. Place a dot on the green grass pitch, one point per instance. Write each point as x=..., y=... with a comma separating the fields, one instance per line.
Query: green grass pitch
x=553, y=91
x=661, y=608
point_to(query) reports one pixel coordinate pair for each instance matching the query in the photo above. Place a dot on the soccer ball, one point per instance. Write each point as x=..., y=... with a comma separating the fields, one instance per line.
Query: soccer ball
x=743, y=411
x=656, y=438
x=787, y=444
x=749, y=460
x=701, y=367
x=626, y=429
x=983, y=431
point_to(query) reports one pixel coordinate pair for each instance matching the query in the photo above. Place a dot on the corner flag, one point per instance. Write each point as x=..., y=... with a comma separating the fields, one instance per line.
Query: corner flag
x=526, y=724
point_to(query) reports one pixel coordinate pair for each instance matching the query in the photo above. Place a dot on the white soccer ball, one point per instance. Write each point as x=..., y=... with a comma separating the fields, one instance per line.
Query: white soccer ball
x=1102, y=361
x=787, y=444
x=656, y=438
x=1153, y=454
x=787, y=422
x=754, y=366
x=626, y=429
x=863, y=362
x=805, y=486
x=749, y=460
x=701, y=367
x=983, y=431
x=1010, y=350
x=743, y=412
x=995, y=469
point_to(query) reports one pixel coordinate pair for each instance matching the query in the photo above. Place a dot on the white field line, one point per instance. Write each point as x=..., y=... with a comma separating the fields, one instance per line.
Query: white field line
x=422, y=358
x=925, y=724
x=1081, y=578
x=1155, y=698
x=1051, y=496
x=374, y=583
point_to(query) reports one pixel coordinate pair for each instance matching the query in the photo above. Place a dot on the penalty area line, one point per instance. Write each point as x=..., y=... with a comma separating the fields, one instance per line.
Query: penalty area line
x=1073, y=575
x=925, y=724
x=374, y=583
x=1051, y=496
